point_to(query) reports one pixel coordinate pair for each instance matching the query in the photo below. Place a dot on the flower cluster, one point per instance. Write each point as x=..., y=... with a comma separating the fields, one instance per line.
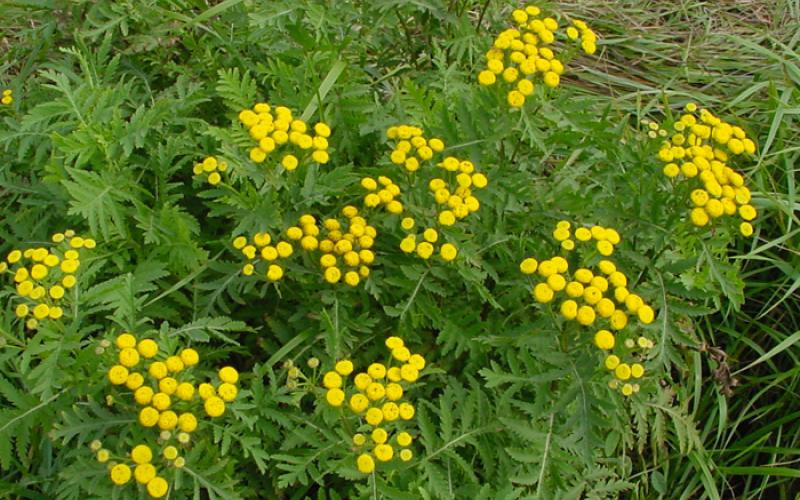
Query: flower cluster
x=260, y=249
x=451, y=190
x=382, y=192
x=698, y=152
x=519, y=54
x=44, y=275
x=163, y=387
x=605, y=238
x=7, y=98
x=211, y=168
x=346, y=251
x=376, y=397
x=282, y=131
x=345, y=248
x=589, y=302
x=411, y=148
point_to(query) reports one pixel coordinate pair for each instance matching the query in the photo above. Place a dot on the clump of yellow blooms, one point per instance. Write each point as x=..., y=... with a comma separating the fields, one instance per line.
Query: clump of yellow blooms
x=211, y=169
x=698, y=153
x=346, y=249
x=452, y=190
x=7, y=98
x=597, y=298
x=411, y=148
x=43, y=276
x=264, y=255
x=163, y=385
x=276, y=129
x=376, y=397
x=525, y=53
x=383, y=192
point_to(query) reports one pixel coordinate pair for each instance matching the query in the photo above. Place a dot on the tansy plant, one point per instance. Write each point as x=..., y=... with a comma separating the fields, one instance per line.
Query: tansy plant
x=342, y=250
x=44, y=276
x=210, y=169
x=7, y=98
x=374, y=405
x=441, y=191
x=169, y=400
x=527, y=53
x=279, y=135
x=696, y=153
x=594, y=294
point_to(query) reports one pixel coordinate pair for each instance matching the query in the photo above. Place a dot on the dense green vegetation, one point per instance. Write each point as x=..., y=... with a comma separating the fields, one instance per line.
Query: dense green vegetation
x=113, y=105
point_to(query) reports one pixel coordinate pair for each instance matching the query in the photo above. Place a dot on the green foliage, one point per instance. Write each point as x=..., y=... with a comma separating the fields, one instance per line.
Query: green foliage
x=114, y=102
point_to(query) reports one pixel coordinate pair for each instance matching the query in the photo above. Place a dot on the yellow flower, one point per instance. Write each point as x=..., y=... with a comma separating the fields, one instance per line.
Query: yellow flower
x=332, y=275
x=120, y=474
x=390, y=411
x=148, y=348
x=227, y=391
x=746, y=229
x=274, y=272
x=128, y=357
x=141, y=454
x=352, y=278
x=170, y=453
x=335, y=397
x=449, y=252
x=401, y=353
x=187, y=422
x=157, y=487
x=189, y=357
x=406, y=411
x=118, y=374
x=362, y=380
x=383, y=452
x=551, y=79
x=646, y=314
x=184, y=391
x=569, y=309
x=528, y=266
x=618, y=320
x=161, y=401
x=379, y=436
x=103, y=456
x=406, y=455
x=21, y=310
x=41, y=311
x=542, y=293
x=424, y=250
x=409, y=373
x=365, y=463
x=374, y=416
x=332, y=380
x=516, y=99
x=586, y=315
x=404, y=439
x=376, y=370
x=135, y=380
x=622, y=371
x=604, y=339
x=125, y=340
x=157, y=370
x=358, y=403
x=174, y=364
x=417, y=361
x=611, y=362
x=344, y=367
x=375, y=391
x=229, y=374
x=214, y=406
x=143, y=395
